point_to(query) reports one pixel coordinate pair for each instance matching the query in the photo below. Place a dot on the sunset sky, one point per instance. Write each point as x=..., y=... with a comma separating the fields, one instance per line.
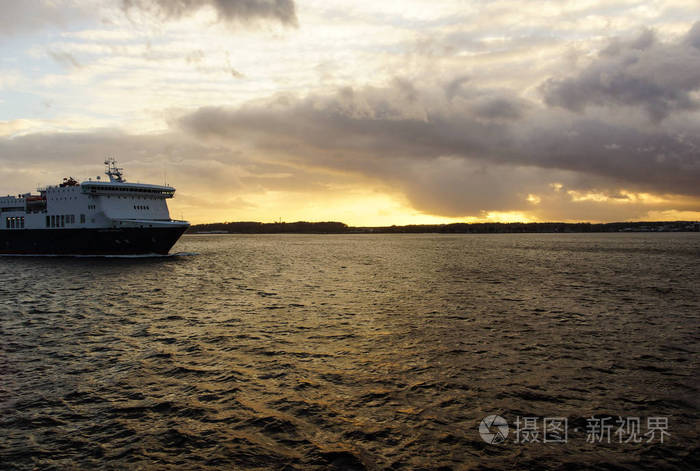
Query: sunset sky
x=366, y=112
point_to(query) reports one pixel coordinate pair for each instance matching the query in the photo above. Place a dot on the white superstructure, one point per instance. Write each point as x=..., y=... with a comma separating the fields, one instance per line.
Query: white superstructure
x=92, y=204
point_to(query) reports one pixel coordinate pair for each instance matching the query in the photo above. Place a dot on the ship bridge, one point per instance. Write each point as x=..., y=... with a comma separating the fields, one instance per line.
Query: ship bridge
x=126, y=189
x=118, y=186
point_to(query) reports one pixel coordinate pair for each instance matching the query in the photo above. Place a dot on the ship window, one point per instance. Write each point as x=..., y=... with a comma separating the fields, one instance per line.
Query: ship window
x=12, y=223
x=21, y=222
x=7, y=223
x=72, y=218
x=48, y=221
x=63, y=221
x=82, y=219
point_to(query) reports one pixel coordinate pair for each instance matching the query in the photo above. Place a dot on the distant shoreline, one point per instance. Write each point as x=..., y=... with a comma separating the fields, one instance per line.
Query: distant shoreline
x=302, y=227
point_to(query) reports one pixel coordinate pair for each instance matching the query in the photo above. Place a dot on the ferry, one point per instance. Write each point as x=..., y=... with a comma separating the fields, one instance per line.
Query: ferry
x=94, y=217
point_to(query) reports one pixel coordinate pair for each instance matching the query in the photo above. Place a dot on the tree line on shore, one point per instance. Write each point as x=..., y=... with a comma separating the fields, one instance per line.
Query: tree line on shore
x=331, y=227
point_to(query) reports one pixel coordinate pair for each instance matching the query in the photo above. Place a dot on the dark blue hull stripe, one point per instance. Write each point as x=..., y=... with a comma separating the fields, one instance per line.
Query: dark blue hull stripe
x=118, y=241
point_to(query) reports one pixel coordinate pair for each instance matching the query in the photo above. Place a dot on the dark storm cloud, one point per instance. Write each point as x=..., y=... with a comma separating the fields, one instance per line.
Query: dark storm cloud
x=370, y=123
x=283, y=11
x=361, y=130
x=643, y=72
x=499, y=108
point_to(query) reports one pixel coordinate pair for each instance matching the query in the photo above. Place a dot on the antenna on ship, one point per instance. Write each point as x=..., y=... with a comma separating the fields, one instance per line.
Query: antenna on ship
x=113, y=172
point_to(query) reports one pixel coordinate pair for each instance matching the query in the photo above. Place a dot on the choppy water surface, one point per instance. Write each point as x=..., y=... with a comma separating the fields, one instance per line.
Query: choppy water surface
x=350, y=352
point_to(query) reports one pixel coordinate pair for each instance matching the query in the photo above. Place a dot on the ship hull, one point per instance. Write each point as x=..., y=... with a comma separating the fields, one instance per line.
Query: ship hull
x=90, y=241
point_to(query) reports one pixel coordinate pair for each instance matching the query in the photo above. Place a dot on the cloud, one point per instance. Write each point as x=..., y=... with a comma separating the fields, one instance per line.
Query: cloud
x=65, y=58
x=205, y=168
x=447, y=157
x=283, y=11
x=479, y=151
x=379, y=123
x=642, y=72
x=24, y=16
x=456, y=136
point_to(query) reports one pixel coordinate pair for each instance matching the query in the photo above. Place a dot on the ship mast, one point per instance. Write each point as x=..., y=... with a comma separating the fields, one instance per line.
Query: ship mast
x=113, y=172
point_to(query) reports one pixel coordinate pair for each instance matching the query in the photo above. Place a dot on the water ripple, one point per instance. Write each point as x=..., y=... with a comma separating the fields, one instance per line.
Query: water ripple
x=349, y=352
